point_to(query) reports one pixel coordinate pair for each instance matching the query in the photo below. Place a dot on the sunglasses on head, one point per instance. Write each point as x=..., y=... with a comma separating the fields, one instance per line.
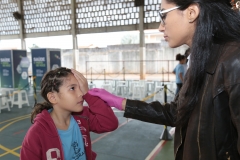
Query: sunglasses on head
x=163, y=14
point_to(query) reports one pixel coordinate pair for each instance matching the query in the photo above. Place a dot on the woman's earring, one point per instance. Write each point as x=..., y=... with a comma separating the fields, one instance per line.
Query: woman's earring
x=190, y=21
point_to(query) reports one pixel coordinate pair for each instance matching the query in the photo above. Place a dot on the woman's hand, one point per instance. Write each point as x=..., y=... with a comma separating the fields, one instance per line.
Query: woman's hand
x=82, y=81
x=111, y=99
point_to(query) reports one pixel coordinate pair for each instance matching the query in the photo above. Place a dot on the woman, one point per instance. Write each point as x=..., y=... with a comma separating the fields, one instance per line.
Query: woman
x=206, y=112
x=180, y=71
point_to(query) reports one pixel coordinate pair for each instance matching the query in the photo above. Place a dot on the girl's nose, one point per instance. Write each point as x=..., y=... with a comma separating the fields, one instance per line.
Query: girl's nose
x=79, y=93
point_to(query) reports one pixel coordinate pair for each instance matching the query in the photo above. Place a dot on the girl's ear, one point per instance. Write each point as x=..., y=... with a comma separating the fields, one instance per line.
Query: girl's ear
x=51, y=97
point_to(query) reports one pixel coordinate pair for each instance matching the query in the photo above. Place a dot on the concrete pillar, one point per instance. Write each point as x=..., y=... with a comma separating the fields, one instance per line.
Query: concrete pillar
x=142, y=44
x=74, y=35
x=22, y=36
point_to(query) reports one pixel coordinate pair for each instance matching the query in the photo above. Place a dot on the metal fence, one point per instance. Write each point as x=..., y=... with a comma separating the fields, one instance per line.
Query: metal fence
x=154, y=69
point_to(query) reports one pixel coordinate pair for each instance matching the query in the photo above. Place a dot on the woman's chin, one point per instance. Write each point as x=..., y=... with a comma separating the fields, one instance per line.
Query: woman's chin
x=173, y=45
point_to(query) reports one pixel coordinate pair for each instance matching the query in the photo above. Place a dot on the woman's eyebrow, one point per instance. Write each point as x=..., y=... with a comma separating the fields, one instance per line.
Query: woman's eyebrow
x=161, y=9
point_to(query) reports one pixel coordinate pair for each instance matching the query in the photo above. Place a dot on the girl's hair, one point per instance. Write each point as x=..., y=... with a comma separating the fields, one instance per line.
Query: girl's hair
x=179, y=57
x=51, y=82
x=210, y=31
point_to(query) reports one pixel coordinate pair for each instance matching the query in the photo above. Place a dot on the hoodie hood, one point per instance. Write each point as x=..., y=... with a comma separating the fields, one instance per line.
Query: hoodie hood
x=45, y=122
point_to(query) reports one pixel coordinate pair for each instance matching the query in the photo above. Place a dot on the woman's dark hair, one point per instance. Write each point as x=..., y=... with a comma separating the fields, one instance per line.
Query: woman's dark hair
x=216, y=24
x=187, y=52
x=51, y=81
x=179, y=57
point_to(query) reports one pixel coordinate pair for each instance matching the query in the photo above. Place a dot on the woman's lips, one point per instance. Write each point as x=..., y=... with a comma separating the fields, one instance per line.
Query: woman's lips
x=165, y=37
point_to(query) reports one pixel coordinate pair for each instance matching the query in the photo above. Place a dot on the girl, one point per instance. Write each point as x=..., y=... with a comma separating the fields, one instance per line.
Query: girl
x=61, y=124
x=206, y=112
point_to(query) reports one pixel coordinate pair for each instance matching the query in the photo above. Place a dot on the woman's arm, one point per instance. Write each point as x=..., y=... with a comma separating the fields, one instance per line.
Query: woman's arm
x=181, y=76
x=174, y=71
x=124, y=101
x=153, y=112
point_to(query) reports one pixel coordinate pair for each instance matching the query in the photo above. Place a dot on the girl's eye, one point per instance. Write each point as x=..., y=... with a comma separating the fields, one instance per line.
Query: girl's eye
x=72, y=88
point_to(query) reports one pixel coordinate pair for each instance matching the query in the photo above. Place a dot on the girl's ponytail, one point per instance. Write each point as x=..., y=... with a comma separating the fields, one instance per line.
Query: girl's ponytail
x=38, y=108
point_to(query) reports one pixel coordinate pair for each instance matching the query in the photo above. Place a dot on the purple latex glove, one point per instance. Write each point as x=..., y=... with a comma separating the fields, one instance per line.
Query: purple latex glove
x=111, y=99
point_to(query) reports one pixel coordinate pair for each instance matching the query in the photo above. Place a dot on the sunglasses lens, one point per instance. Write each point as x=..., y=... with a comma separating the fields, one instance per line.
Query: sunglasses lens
x=162, y=22
x=161, y=19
